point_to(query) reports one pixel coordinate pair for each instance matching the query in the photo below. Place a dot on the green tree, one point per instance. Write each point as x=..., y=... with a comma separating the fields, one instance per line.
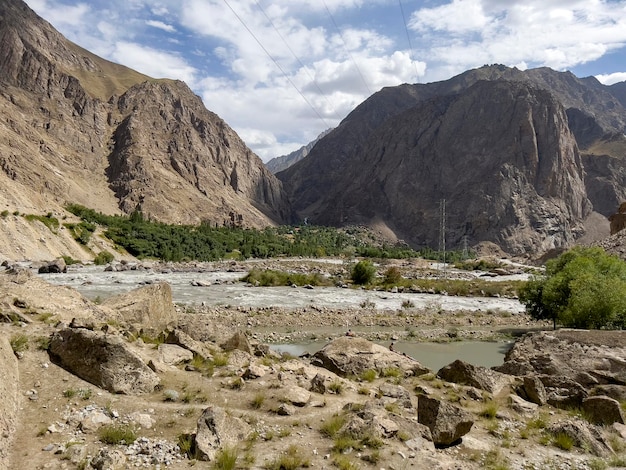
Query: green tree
x=363, y=272
x=582, y=288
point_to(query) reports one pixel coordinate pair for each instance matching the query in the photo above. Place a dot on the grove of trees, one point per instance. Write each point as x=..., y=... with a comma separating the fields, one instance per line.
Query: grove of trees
x=582, y=288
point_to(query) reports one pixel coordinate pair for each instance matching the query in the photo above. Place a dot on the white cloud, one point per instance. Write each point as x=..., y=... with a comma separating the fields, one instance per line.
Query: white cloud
x=555, y=33
x=161, y=25
x=249, y=81
x=153, y=62
x=611, y=78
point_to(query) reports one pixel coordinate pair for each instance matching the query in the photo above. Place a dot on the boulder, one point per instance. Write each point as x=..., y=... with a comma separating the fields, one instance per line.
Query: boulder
x=618, y=392
x=351, y=356
x=255, y=371
x=172, y=354
x=318, y=384
x=238, y=341
x=563, y=392
x=447, y=422
x=603, y=410
x=183, y=340
x=103, y=360
x=533, y=390
x=56, y=266
x=297, y=396
x=109, y=459
x=149, y=308
x=584, y=435
x=463, y=373
x=9, y=404
x=93, y=421
x=522, y=406
x=217, y=429
x=588, y=357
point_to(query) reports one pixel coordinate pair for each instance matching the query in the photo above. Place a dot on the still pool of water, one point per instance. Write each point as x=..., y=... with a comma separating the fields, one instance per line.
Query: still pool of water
x=432, y=355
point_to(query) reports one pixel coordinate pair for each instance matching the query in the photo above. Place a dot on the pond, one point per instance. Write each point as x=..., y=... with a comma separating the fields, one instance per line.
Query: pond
x=432, y=355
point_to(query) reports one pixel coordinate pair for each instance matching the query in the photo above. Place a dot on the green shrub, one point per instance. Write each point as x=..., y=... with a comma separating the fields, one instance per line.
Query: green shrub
x=563, y=441
x=332, y=425
x=582, y=288
x=363, y=272
x=104, y=257
x=117, y=434
x=226, y=459
x=392, y=276
x=19, y=343
x=292, y=459
x=489, y=411
x=257, y=401
x=368, y=375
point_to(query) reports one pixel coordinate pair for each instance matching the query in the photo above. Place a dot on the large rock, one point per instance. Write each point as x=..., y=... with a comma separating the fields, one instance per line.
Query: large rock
x=447, y=422
x=238, y=341
x=56, y=266
x=463, y=373
x=589, y=357
x=103, y=360
x=172, y=354
x=533, y=390
x=351, y=356
x=183, y=340
x=603, y=410
x=583, y=435
x=217, y=429
x=9, y=404
x=149, y=308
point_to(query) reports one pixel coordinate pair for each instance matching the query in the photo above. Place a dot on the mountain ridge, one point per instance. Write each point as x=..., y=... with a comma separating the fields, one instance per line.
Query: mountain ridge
x=84, y=130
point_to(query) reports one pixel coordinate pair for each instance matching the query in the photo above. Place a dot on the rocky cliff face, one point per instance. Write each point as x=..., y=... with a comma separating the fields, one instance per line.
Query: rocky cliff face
x=79, y=129
x=521, y=158
x=282, y=163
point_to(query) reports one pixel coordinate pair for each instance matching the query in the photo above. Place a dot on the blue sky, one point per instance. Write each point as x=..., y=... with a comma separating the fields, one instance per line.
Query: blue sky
x=280, y=72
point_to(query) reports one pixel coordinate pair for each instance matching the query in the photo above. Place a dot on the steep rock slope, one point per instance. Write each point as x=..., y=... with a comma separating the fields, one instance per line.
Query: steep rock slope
x=500, y=153
x=77, y=128
x=590, y=119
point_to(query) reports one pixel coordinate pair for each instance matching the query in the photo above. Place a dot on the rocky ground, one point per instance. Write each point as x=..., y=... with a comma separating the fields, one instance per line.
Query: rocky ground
x=218, y=393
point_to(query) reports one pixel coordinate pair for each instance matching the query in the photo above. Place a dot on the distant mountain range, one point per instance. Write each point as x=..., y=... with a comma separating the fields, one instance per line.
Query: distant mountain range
x=522, y=159
x=283, y=162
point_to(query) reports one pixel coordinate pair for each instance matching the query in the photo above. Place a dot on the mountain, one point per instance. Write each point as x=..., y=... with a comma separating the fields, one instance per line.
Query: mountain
x=281, y=163
x=79, y=129
x=521, y=158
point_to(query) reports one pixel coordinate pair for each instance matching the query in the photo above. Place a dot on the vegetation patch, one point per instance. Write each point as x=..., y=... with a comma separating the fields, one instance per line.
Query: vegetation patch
x=48, y=220
x=117, y=434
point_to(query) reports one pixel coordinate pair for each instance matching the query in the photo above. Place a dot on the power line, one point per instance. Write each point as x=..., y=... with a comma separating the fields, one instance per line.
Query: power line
x=345, y=46
x=408, y=38
x=275, y=61
x=296, y=57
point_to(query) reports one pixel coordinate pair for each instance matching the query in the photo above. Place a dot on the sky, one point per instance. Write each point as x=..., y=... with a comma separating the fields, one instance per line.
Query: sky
x=280, y=72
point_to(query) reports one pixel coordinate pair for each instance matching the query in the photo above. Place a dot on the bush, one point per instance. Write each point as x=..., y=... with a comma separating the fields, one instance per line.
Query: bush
x=363, y=272
x=19, y=343
x=115, y=434
x=582, y=288
x=104, y=257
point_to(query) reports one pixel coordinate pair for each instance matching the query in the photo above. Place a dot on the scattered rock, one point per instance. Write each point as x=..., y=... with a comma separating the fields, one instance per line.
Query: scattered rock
x=238, y=341
x=351, y=356
x=447, y=422
x=461, y=372
x=216, y=429
x=603, y=410
x=103, y=360
x=56, y=266
x=533, y=390
x=583, y=435
x=173, y=355
x=149, y=308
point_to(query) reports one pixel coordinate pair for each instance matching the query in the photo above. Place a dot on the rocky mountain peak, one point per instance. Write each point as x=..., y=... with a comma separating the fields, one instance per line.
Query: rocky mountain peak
x=80, y=129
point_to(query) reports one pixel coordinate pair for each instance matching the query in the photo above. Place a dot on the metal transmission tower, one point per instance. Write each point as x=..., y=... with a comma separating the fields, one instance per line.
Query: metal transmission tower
x=442, y=233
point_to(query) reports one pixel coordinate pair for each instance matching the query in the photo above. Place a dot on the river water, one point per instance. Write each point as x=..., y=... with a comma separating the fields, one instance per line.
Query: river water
x=224, y=288
x=432, y=355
